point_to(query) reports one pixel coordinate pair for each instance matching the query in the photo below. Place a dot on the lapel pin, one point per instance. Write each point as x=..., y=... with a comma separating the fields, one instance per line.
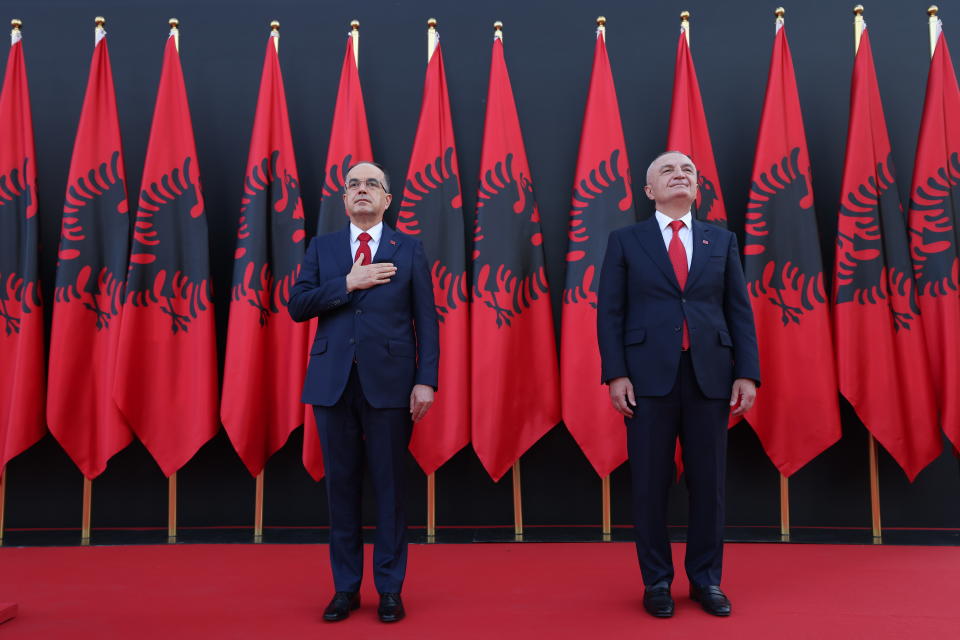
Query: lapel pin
x=705, y=241
x=393, y=242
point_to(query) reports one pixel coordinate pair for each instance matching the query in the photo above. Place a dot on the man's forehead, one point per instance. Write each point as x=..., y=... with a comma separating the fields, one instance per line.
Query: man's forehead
x=672, y=159
x=365, y=171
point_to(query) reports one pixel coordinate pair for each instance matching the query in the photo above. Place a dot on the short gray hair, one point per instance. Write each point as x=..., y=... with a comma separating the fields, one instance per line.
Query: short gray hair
x=660, y=155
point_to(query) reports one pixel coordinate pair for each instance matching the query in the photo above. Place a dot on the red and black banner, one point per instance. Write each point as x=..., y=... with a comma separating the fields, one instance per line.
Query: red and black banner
x=91, y=272
x=602, y=201
x=796, y=414
x=349, y=144
x=166, y=379
x=688, y=133
x=21, y=308
x=881, y=352
x=266, y=350
x=934, y=233
x=432, y=210
x=514, y=374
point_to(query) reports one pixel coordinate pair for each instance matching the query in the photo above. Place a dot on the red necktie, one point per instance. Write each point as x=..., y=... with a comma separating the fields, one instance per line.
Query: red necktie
x=678, y=258
x=364, y=249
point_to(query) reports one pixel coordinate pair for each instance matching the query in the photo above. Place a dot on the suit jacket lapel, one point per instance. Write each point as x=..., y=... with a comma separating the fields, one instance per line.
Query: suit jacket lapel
x=703, y=238
x=651, y=239
x=341, y=251
x=389, y=243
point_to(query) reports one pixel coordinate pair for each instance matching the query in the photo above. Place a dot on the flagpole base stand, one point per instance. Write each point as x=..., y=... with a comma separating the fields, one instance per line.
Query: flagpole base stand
x=8, y=611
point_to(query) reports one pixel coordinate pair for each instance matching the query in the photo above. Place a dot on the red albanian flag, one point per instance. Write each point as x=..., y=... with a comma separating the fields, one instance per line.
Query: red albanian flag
x=513, y=371
x=21, y=310
x=166, y=380
x=796, y=415
x=934, y=233
x=689, y=134
x=91, y=270
x=432, y=210
x=349, y=143
x=265, y=366
x=602, y=201
x=881, y=354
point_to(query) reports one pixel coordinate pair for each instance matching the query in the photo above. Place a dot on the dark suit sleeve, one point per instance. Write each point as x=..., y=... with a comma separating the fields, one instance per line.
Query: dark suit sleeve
x=739, y=316
x=425, y=320
x=311, y=297
x=611, y=311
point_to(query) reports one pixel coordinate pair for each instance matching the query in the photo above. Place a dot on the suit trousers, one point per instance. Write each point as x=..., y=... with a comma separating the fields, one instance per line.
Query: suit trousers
x=701, y=424
x=350, y=431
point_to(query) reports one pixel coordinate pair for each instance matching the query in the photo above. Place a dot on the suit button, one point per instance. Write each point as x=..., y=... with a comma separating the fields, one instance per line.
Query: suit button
x=359, y=311
x=352, y=340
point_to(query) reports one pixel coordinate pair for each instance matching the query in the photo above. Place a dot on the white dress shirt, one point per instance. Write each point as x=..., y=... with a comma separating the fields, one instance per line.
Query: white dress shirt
x=375, y=231
x=686, y=234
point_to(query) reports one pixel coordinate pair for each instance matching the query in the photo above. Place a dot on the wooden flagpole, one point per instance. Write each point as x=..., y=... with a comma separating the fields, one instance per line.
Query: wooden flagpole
x=431, y=477
x=172, y=480
x=858, y=26
x=784, y=482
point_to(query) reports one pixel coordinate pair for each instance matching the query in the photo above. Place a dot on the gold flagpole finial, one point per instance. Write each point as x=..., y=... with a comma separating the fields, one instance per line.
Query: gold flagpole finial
x=274, y=25
x=275, y=34
x=779, y=11
x=174, y=23
x=99, y=21
x=431, y=37
x=498, y=30
x=602, y=27
x=175, y=29
x=355, y=34
x=684, y=16
x=16, y=23
x=932, y=10
x=933, y=23
x=685, y=25
x=858, y=26
x=858, y=10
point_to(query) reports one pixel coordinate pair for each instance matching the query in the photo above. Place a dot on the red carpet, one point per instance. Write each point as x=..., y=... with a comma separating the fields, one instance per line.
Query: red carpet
x=489, y=591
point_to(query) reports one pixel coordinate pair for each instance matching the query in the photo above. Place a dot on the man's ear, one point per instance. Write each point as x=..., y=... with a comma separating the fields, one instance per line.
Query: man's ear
x=647, y=190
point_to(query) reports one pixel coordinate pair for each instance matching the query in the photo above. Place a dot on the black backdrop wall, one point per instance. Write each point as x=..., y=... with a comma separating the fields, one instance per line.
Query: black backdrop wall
x=549, y=46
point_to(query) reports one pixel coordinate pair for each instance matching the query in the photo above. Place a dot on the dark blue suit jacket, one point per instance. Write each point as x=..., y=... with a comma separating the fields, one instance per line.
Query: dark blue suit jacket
x=390, y=329
x=640, y=311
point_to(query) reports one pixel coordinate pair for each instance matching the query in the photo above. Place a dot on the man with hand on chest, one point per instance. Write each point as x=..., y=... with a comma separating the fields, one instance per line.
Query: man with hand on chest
x=678, y=349
x=372, y=373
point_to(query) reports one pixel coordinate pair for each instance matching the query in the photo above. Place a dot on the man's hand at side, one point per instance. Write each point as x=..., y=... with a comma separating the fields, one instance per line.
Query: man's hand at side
x=420, y=400
x=621, y=396
x=365, y=276
x=743, y=395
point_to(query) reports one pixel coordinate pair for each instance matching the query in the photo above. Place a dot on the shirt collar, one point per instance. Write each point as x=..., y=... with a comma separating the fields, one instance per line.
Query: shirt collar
x=374, y=232
x=664, y=220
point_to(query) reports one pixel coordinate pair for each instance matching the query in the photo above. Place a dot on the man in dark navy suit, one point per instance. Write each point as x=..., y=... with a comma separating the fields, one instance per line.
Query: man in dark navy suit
x=679, y=350
x=372, y=372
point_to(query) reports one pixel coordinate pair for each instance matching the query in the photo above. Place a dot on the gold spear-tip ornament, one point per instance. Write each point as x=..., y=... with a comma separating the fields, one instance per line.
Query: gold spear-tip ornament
x=16, y=23
x=498, y=29
x=684, y=16
x=431, y=23
x=932, y=10
x=275, y=25
x=779, y=11
x=99, y=21
x=601, y=21
x=858, y=10
x=355, y=25
x=174, y=23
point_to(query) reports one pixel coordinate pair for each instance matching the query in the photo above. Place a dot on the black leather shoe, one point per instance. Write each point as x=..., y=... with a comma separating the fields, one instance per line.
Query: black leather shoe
x=657, y=600
x=341, y=605
x=713, y=600
x=391, y=608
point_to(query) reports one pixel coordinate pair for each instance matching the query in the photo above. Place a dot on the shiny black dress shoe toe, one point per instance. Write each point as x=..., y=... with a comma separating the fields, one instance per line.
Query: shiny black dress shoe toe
x=657, y=600
x=342, y=603
x=391, y=608
x=713, y=600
